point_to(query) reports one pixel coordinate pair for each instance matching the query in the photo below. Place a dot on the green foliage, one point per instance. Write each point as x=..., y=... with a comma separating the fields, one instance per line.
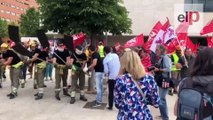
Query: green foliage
x=89, y=16
x=3, y=28
x=30, y=22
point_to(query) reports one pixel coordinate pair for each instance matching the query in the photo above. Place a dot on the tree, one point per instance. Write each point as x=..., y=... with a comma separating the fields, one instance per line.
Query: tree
x=93, y=17
x=30, y=22
x=3, y=28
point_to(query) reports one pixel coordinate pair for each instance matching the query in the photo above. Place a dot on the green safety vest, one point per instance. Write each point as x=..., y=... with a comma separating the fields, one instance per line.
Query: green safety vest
x=101, y=51
x=176, y=59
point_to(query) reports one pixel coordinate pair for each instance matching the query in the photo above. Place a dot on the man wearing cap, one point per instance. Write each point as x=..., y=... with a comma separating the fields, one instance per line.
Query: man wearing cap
x=12, y=59
x=61, y=61
x=78, y=61
x=39, y=58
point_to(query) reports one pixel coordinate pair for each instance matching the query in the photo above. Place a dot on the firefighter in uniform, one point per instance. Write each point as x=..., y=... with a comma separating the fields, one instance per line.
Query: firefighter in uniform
x=12, y=59
x=61, y=61
x=39, y=58
x=78, y=61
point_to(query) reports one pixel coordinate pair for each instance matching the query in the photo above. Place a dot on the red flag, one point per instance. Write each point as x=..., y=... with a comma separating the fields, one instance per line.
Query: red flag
x=182, y=28
x=152, y=35
x=210, y=41
x=134, y=42
x=207, y=28
x=165, y=35
x=78, y=39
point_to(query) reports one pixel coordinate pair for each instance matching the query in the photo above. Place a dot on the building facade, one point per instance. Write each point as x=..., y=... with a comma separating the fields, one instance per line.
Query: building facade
x=145, y=13
x=11, y=10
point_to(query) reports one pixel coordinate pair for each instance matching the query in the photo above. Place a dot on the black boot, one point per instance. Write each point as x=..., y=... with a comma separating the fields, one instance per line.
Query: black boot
x=72, y=100
x=65, y=92
x=39, y=96
x=12, y=95
x=57, y=95
x=35, y=86
x=83, y=98
x=22, y=85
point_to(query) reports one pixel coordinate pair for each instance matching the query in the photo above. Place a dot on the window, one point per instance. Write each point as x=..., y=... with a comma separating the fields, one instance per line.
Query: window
x=207, y=5
x=17, y=14
x=22, y=9
x=8, y=12
x=17, y=7
x=13, y=13
x=8, y=20
x=3, y=18
x=2, y=3
x=2, y=11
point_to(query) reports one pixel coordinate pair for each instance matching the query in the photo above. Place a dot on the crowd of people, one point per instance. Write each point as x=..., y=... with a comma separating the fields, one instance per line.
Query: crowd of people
x=136, y=77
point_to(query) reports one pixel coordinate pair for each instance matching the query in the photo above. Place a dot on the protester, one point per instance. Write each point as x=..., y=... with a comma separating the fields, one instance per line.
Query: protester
x=201, y=78
x=185, y=63
x=175, y=57
x=12, y=59
x=61, y=61
x=97, y=64
x=131, y=100
x=111, y=69
x=78, y=62
x=145, y=59
x=39, y=59
x=101, y=49
x=49, y=68
x=163, y=69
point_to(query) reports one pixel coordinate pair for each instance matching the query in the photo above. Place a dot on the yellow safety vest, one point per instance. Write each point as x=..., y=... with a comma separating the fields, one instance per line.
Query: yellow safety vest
x=17, y=65
x=101, y=51
x=41, y=65
x=176, y=59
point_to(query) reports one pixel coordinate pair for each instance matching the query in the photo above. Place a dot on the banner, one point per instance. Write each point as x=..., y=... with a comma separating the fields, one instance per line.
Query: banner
x=78, y=39
x=136, y=41
x=207, y=29
x=209, y=41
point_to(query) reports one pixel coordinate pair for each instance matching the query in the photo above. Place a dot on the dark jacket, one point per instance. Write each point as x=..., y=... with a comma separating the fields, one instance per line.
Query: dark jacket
x=203, y=83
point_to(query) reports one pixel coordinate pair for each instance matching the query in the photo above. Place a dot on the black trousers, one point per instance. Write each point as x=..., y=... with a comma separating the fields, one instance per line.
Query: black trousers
x=111, y=84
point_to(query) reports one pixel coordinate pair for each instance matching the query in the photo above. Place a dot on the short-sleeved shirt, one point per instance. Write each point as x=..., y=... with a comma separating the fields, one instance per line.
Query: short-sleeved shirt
x=63, y=55
x=99, y=66
x=42, y=55
x=78, y=59
x=11, y=53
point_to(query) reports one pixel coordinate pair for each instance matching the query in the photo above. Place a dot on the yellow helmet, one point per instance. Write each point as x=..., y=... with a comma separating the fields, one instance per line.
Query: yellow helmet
x=4, y=45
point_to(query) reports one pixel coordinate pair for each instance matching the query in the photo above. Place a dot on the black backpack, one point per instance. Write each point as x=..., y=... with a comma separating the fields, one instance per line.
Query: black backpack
x=193, y=104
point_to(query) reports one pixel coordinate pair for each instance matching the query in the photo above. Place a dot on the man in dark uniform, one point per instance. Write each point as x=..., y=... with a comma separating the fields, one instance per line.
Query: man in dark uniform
x=78, y=61
x=12, y=59
x=61, y=61
x=39, y=58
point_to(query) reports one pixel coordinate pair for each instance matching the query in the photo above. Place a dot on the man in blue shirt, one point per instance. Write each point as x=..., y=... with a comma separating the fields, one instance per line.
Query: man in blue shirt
x=111, y=69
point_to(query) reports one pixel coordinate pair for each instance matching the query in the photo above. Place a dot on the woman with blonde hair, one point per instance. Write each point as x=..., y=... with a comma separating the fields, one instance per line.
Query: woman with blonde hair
x=134, y=89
